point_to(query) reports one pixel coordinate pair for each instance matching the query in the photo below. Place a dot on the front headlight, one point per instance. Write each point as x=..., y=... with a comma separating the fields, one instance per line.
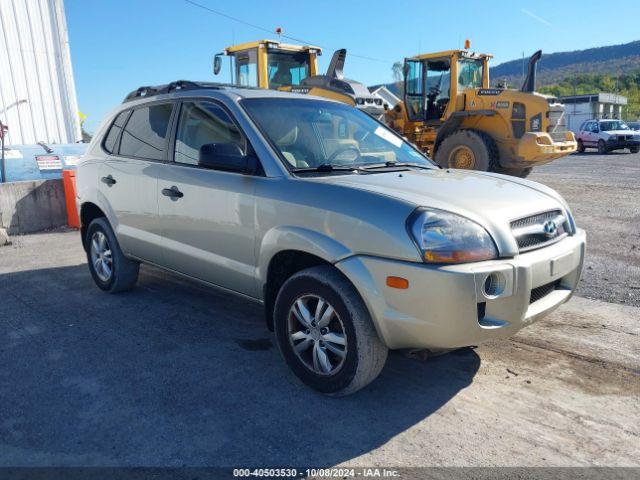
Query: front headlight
x=444, y=237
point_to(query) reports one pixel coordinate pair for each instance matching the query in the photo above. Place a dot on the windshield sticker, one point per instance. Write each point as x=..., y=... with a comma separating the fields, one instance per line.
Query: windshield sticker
x=388, y=136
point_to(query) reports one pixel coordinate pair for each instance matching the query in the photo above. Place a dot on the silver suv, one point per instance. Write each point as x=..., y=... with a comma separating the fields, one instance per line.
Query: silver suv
x=354, y=242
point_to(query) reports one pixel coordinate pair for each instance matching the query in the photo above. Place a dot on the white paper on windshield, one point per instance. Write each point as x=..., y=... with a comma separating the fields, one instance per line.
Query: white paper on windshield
x=388, y=136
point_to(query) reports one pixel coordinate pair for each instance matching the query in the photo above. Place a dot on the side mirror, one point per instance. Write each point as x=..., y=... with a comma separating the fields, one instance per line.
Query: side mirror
x=227, y=157
x=217, y=64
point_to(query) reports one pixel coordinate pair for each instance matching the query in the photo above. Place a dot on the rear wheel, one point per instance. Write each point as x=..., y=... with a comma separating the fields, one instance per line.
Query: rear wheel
x=110, y=269
x=580, y=146
x=634, y=149
x=602, y=148
x=467, y=149
x=325, y=333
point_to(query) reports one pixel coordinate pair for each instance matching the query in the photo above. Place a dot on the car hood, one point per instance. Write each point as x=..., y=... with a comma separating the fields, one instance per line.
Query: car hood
x=621, y=132
x=491, y=200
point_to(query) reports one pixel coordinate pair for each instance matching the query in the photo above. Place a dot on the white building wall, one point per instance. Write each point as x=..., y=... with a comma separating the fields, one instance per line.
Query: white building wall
x=37, y=92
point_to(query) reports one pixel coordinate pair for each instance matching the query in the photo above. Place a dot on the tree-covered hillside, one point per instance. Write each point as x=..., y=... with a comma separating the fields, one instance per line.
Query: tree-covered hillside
x=627, y=85
x=554, y=67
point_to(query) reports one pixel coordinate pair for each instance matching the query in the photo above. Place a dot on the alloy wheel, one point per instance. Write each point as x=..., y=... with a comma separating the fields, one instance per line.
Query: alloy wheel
x=317, y=335
x=101, y=256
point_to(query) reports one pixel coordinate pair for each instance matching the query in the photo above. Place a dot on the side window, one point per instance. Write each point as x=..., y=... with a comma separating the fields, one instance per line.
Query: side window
x=203, y=123
x=145, y=133
x=247, y=69
x=413, y=88
x=112, y=136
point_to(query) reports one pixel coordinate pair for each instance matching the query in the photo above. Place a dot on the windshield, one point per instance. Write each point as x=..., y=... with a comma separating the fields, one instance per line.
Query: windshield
x=613, y=125
x=469, y=73
x=287, y=68
x=311, y=133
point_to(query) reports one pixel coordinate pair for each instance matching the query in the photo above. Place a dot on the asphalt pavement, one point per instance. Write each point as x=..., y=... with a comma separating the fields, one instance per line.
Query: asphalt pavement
x=174, y=373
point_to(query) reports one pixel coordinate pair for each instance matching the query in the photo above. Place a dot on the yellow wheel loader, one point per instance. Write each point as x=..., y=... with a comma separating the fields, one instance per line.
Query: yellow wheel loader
x=450, y=111
x=293, y=68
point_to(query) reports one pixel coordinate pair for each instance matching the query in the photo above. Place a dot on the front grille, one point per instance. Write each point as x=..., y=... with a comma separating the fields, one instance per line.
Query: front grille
x=540, y=230
x=557, y=122
x=542, y=291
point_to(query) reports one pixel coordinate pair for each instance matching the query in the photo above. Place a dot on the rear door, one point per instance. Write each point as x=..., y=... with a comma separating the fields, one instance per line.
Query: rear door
x=137, y=143
x=207, y=216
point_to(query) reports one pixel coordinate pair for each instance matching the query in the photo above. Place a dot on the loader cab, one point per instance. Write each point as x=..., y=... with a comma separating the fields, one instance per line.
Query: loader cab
x=433, y=80
x=268, y=64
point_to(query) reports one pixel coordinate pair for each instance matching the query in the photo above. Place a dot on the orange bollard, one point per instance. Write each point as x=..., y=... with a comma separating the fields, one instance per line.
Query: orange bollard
x=69, y=183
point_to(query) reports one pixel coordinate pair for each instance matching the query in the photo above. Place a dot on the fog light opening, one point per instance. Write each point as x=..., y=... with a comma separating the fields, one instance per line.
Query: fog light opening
x=494, y=284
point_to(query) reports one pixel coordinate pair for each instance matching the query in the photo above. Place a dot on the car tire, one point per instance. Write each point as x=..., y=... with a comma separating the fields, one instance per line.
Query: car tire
x=344, y=338
x=468, y=149
x=110, y=269
x=580, y=146
x=634, y=149
x=602, y=147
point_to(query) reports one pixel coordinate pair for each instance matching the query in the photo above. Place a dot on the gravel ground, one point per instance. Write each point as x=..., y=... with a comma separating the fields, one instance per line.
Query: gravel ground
x=604, y=194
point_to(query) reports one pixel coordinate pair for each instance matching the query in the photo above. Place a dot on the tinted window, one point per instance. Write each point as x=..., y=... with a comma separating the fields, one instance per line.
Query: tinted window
x=146, y=131
x=203, y=123
x=114, y=131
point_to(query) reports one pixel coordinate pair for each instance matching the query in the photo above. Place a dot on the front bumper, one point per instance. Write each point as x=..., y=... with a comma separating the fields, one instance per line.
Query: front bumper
x=618, y=144
x=538, y=148
x=445, y=306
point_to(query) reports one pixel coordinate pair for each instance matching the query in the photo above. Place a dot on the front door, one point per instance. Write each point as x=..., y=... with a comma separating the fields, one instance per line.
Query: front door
x=207, y=216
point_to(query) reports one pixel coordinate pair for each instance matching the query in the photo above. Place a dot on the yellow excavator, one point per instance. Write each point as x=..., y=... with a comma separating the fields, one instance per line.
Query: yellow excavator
x=450, y=111
x=294, y=68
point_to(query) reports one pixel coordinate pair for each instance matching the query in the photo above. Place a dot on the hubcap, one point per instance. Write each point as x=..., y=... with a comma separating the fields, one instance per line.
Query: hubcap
x=462, y=157
x=101, y=256
x=317, y=334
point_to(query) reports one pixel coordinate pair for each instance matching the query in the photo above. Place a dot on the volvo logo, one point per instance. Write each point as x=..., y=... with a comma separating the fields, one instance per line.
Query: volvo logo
x=550, y=228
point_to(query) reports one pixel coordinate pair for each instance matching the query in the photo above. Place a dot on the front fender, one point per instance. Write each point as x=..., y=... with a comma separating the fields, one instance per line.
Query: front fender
x=283, y=238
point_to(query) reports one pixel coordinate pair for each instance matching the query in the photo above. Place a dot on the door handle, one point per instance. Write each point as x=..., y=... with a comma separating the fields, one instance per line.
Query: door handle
x=172, y=192
x=109, y=180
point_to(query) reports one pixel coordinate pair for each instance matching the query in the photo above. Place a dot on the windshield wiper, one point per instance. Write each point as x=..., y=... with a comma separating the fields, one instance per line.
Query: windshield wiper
x=325, y=167
x=395, y=165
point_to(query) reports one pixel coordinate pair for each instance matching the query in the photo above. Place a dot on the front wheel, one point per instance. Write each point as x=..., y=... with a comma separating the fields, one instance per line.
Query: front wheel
x=580, y=146
x=634, y=149
x=467, y=149
x=110, y=269
x=325, y=333
x=602, y=147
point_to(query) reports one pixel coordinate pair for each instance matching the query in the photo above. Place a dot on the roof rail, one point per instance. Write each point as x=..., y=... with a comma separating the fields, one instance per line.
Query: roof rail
x=178, y=85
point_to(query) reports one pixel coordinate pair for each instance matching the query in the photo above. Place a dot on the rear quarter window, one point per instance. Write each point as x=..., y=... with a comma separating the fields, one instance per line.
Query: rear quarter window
x=145, y=134
x=111, y=138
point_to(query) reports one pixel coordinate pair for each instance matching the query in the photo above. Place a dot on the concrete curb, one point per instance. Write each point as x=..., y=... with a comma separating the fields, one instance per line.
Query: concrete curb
x=32, y=206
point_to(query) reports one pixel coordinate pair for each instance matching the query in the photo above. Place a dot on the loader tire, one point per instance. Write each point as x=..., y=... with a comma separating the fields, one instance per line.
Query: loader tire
x=468, y=149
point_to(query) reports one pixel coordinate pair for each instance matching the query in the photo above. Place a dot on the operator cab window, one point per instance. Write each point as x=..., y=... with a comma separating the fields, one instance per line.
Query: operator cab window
x=247, y=68
x=145, y=134
x=414, y=89
x=438, y=88
x=287, y=68
x=469, y=74
x=203, y=123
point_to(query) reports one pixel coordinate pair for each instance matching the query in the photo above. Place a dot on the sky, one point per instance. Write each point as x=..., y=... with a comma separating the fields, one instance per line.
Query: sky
x=119, y=45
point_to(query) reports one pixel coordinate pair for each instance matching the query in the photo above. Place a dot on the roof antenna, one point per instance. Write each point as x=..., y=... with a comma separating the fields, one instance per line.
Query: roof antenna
x=279, y=32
